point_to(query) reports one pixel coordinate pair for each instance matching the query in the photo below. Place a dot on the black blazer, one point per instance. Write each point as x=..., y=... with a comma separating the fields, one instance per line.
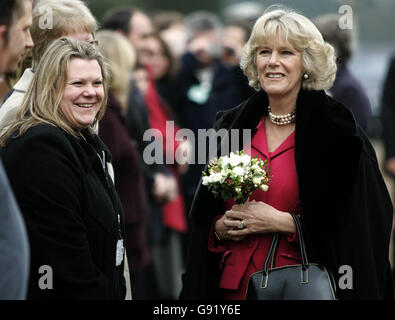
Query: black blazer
x=71, y=212
x=347, y=211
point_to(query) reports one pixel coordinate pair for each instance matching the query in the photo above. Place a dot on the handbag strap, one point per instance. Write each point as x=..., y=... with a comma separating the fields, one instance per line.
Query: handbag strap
x=302, y=245
x=271, y=253
x=274, y=245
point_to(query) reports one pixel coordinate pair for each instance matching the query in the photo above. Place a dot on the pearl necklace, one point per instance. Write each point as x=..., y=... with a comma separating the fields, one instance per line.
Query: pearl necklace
x=281, y=120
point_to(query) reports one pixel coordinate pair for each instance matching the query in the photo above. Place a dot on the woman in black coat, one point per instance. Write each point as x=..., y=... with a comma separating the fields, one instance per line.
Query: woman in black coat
x=57, y=168
x=343, y=203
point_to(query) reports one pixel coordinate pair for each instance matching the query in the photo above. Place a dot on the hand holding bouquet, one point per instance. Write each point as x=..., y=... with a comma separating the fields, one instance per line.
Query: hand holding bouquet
x=236, y=176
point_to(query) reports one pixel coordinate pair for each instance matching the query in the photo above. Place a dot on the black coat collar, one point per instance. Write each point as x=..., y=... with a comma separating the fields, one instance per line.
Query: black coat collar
x=88, y=147
x=327, y=147
x=312, y=108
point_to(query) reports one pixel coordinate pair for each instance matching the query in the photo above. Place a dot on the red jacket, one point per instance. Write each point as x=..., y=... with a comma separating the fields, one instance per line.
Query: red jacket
x=242, y=258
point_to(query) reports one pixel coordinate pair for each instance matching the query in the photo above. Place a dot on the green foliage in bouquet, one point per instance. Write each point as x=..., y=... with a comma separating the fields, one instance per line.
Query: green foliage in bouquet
x=236, y=176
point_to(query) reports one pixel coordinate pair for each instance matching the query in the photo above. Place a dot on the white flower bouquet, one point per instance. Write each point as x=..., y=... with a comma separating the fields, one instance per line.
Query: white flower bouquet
x=236, y=176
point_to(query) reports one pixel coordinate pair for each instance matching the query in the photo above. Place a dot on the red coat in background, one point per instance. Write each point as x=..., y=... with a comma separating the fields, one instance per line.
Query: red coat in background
x=173, y=211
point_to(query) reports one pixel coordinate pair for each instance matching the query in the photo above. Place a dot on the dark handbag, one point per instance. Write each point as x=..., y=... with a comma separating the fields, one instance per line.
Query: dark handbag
x=305, y=281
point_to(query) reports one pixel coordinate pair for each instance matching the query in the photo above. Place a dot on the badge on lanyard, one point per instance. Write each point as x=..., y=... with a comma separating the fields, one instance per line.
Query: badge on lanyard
x=120, y=247
x=120, y=251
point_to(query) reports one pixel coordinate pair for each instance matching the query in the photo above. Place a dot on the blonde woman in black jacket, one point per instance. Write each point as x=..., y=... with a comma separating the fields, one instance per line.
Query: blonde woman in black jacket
x=57, y=167
x=316, y=151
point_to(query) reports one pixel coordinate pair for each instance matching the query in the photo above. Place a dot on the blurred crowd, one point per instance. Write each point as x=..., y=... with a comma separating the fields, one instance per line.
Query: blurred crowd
x=185, y=71
x=169, y=66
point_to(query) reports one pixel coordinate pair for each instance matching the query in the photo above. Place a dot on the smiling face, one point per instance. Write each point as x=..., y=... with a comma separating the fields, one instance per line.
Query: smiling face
x=280, y=68
x=83, y=94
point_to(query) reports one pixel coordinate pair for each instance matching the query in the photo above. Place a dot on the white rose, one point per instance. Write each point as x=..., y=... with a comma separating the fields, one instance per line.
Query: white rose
x=224, y=172
x=255, y=167
x=247, y=171
x=225, y=161
x=234, y=159
x=256, y=181
x=216, y=177
x=206, y=180
x=238, y=171
x=264, y=187
x=245, y=159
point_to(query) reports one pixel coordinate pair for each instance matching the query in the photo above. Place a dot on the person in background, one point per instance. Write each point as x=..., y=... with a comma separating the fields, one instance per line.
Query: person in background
x=322, y=165
x=167, y=217
x=234, y=38
x=346, y=89
x=4, y=88
x=245, y=13
x=160, y=65
x=114, y=131
x=15, y=21
x=15, y=31
x=171, y=28
x=156, y=55
x=71, y=18
x=11, y=78
x=134, y=24
x=387, y=118
x=57, y=168
x=205, y=85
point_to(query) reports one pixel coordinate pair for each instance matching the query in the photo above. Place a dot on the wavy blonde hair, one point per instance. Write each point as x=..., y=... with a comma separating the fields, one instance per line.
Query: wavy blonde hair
x=42, y=99
x=318, y=56
x=121, y=56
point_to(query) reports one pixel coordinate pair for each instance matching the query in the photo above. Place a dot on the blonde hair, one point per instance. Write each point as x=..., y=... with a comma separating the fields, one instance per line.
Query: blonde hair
x=318, y=56
x=42, y=99
x=67, y=17
x=121, y=56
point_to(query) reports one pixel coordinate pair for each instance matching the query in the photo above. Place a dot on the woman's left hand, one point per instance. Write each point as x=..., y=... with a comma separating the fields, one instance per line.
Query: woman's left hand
x=259, y=217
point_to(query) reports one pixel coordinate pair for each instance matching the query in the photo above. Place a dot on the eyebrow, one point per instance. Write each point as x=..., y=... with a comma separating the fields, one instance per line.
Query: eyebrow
x=281, y=48
x=81, y=79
